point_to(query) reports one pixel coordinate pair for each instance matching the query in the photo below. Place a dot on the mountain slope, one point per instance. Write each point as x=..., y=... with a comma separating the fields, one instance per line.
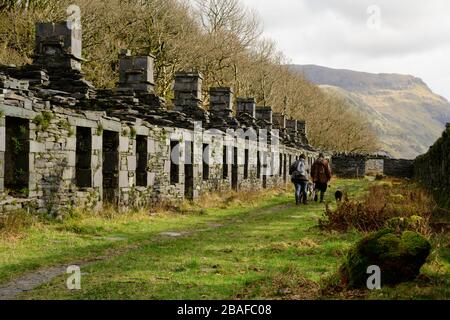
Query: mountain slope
x=407, y=116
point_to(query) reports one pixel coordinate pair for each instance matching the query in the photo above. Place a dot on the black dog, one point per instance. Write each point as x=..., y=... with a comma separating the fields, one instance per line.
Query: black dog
x=338, y=195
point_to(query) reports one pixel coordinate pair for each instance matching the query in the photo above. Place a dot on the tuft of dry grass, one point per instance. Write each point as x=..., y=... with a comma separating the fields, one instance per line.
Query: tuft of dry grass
x=14, y=223
x=227, y=199
x=222, y=200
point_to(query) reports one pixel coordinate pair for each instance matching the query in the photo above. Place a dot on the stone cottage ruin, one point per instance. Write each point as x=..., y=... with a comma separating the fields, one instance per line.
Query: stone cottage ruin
x=65, y=144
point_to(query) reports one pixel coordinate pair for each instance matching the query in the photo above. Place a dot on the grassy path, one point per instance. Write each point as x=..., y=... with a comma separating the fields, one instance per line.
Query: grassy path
x=223, y=253
x=270, y=249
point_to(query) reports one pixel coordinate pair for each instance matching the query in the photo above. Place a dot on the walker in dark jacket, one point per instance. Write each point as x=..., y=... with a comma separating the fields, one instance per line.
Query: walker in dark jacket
x=321, y=175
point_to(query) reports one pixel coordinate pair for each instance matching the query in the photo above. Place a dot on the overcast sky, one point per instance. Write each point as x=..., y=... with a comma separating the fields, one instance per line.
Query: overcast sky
x=391, y=36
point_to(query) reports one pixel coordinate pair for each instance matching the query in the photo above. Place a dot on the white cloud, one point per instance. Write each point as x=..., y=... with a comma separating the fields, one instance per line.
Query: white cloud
x=414, y=35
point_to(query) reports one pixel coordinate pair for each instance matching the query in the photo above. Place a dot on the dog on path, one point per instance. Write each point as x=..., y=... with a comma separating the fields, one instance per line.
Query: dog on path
x=338, y=195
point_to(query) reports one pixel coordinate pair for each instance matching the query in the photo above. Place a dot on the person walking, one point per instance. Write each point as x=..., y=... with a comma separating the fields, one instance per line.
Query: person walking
x=299, y=172
x=321, y=175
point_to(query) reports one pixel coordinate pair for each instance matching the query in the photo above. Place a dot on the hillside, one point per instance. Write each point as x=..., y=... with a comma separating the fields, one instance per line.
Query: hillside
x=407, y=116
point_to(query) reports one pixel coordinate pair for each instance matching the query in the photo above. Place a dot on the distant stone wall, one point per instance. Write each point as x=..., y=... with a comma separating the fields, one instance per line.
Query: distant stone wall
x=360, y=165
x=399, y=168
x=348, y=165
x=433, y=169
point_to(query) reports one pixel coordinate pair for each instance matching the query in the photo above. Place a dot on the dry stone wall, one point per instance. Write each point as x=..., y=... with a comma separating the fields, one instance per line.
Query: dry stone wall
x=400, y=168
x=360, y=165
x=433, y=169
x=348, y=165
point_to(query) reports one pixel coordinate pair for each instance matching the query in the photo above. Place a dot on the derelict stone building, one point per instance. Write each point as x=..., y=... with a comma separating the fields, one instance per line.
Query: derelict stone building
x=65, y=144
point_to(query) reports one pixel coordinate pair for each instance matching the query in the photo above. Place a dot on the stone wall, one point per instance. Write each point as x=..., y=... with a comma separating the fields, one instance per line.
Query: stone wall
x=66, y=144
x=399, y=168
x=433, y=169
x=360, y=165
x=348, y=165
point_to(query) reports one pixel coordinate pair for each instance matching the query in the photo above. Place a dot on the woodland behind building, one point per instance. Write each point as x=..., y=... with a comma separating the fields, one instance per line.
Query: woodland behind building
x=222, y=39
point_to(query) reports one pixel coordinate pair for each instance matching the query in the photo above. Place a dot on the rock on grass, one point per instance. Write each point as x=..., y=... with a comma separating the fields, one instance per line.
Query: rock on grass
x=399, y=257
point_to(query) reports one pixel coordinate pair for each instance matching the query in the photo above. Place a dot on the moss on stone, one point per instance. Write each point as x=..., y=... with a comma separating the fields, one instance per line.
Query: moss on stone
x=399, y=257
x=415, y=244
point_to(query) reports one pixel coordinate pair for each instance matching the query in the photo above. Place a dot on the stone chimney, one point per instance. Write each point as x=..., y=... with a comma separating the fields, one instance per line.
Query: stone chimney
x=221, y=109
x=291, y=126
x=136, y=72
x=188, y=96
x=187, y=90
x=291, y=129
x=301, y=127
x=279, y=120
x=246, y=105
x=58, y=45
x=302, y=131
x=221, y=102
x=58, y=56
x=264, y=117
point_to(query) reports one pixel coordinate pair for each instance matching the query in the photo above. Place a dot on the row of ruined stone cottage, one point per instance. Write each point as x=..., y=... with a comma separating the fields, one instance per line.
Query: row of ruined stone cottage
x=65, y=144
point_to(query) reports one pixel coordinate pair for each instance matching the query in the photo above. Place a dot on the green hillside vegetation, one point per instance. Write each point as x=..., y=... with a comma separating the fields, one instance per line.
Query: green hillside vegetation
x=220, y=38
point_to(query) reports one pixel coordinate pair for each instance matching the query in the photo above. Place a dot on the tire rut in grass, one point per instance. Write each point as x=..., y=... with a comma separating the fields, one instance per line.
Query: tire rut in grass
x=34, y=279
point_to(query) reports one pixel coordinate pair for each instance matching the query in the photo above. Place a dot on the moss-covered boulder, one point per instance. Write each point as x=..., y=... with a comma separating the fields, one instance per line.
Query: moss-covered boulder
x=399, y=257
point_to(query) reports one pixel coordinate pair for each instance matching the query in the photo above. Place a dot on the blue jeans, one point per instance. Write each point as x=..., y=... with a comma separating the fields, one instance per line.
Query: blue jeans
x=300, y=191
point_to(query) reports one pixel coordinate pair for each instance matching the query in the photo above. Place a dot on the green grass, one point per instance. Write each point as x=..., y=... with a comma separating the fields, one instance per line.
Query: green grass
x=271, y=250
x=85, y=238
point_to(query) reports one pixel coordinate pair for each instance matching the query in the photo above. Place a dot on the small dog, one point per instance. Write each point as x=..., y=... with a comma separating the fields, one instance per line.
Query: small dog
x=338, y=195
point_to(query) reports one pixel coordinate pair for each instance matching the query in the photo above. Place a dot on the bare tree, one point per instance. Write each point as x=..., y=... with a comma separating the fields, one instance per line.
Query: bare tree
x=217, y=16
x=220, y=38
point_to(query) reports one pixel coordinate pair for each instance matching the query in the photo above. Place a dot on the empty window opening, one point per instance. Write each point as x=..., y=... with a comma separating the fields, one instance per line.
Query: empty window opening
x=246, y=162
x=234, y=170
x=189, y=169
x=141, y=161
x=205, y=161
x=225, y=163
x=17, y=156
x=83, y=154
x=258, y=165
x=280, y=166
x=273, y=164
x=174, y=162
x=110, y=166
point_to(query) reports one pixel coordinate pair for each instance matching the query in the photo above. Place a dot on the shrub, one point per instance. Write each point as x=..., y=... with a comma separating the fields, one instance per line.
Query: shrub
x=402, y=207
